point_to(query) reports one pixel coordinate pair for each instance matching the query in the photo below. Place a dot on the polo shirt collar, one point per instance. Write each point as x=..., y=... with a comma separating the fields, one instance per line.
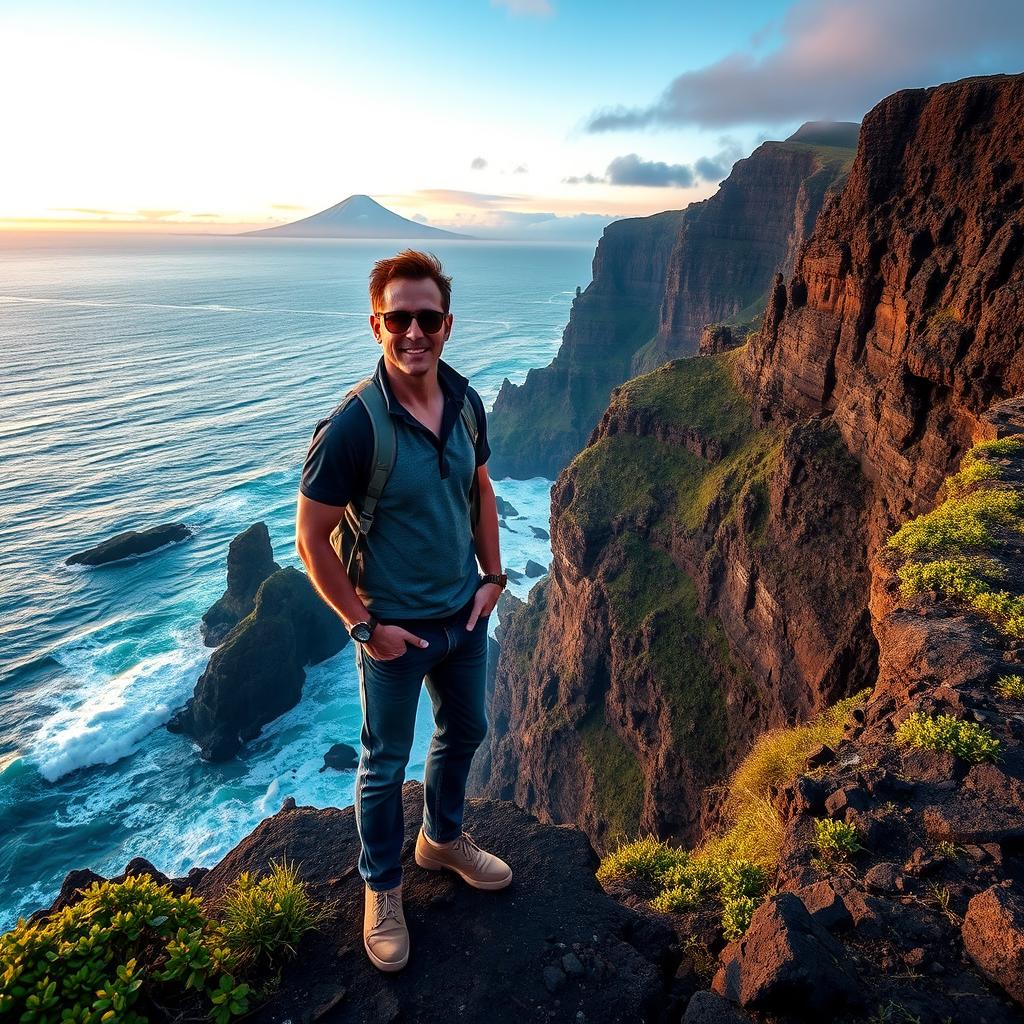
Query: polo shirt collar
x=453, y=384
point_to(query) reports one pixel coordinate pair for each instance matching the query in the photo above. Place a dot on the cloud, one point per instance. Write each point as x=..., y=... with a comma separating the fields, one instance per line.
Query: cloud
x=456, y=197
x=420, y=218
x=521, y=169
x=157, y=214
x=478, y=164
x=836, y=59
x=632, y=170
x=528, y=8
x=84, y=209
x=286, y=206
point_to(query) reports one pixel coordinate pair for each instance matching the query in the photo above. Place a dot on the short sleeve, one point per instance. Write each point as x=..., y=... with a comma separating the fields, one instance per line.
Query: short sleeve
x=337, y=462
x=483, y=449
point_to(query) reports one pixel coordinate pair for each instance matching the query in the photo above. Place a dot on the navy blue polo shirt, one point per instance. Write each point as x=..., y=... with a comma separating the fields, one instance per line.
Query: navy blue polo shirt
x=419, y=560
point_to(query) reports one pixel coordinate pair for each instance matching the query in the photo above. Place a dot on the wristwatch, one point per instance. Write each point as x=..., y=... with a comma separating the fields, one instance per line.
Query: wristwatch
x=500, y=578
x=362, y=631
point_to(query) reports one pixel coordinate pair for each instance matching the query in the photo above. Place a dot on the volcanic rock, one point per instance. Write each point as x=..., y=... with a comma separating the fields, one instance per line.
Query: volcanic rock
x=130, y=544
x=250, y=562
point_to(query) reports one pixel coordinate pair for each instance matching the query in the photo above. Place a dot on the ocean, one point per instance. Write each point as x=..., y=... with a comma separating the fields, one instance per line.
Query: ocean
x=157, y=379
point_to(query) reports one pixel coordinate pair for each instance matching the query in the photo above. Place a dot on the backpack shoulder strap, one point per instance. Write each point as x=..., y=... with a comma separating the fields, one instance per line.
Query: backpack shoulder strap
x=469, y=418
x=384, y=448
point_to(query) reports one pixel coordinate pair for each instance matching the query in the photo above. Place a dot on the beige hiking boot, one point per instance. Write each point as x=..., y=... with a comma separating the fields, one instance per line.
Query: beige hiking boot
x=385, y=935
x=478, y=868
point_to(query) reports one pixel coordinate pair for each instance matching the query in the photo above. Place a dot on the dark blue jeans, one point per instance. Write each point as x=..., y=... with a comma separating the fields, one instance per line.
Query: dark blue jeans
x=453, y=667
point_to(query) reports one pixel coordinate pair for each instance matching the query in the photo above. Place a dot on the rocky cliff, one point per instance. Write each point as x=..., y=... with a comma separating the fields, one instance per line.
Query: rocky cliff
x=903, y=317
x=731, y=245
x=713, y=543
x=657, y=281
x=537, y=426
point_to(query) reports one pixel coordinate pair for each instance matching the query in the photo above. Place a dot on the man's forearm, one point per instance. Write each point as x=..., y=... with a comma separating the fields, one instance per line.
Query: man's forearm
x=328, y=576
x=488, y=549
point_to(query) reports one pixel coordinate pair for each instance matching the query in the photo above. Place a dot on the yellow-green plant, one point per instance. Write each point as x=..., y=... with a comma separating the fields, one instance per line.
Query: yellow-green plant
x=735, y=867
x=967, y=740
x=1011, y=686
x=265, y=918
x=950, y=548
x=101, y=960
x=836, y=840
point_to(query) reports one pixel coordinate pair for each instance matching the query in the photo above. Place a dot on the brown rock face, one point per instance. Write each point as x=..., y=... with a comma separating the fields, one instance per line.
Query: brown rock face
x=720, y=592
x=711, y=574
x=657, y=282
x=993, y=934
x=904, y=312
x=732, y=244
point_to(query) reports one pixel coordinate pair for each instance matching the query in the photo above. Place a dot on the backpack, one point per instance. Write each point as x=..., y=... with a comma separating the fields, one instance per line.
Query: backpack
x=358, y=518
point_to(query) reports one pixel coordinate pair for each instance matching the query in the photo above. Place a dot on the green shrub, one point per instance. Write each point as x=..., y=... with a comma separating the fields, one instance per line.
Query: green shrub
x=967, y=740
x=645, y=860
x=835, y=840
x=264, y=919
x=107, y=957
x=1011, y=686
x=961, y=523
x=948, y=549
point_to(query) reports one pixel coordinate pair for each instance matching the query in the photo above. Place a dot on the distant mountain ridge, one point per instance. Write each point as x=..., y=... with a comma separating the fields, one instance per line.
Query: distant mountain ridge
x=356, y=217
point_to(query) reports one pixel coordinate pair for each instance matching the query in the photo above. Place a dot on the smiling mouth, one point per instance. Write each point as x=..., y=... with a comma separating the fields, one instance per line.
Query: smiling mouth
x=415, y=351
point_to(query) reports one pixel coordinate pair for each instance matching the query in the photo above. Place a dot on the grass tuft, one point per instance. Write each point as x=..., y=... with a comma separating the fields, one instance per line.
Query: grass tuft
x=1011, y=686
x=264, y=918
x=733, y=869
x=967, y=740
x=949, y=549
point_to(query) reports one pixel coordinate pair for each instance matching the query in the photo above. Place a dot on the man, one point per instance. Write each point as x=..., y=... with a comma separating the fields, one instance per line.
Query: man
x=418, y=609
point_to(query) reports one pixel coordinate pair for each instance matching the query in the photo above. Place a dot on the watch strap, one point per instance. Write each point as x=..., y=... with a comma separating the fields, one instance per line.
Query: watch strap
x=493, y=577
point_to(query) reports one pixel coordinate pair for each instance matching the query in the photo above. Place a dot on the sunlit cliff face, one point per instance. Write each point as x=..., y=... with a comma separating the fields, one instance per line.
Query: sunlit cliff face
x=414, y=352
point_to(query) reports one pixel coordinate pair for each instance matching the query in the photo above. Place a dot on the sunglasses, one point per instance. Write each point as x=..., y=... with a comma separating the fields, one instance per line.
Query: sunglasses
x=400, y=320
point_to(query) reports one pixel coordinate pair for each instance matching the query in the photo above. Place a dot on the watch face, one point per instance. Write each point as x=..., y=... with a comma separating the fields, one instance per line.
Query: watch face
x=361, y=632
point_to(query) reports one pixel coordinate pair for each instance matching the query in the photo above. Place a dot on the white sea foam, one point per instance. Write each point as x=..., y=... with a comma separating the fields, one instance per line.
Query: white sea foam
x=108, y=716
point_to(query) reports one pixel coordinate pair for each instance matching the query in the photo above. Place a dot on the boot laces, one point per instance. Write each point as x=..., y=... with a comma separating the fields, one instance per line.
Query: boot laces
x=385, y=905
x=467, y=847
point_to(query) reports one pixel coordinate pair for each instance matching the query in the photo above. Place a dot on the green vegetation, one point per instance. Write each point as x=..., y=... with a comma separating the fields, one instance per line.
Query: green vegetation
x=680, y=881
x=774, y=761
x=648, y=591
x=618, y=778
x=835, y=840
x=1011, y=686
x=950, y=549
x=627, y=477
x=265, y=917
x=129, y=947
x=967, y=740
x=733, y=869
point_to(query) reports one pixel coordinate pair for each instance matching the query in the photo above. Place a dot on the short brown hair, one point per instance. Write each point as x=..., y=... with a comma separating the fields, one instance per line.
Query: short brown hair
x=409, y=263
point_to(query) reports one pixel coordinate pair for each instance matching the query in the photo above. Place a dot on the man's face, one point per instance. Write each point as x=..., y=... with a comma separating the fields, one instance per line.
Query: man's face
x=414, y=352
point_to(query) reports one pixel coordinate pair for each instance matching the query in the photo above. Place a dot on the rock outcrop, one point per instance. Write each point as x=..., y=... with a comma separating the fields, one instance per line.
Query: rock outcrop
x=258, y=671
x=250, y=562
x=657, y=281
x=550, y=946
x=130, y=544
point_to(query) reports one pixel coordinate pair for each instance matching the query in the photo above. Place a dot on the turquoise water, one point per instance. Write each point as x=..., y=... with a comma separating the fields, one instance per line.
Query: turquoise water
x=148, y=381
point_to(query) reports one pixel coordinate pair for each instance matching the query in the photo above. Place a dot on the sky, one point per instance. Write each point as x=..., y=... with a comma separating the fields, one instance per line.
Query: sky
x=532, y=119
